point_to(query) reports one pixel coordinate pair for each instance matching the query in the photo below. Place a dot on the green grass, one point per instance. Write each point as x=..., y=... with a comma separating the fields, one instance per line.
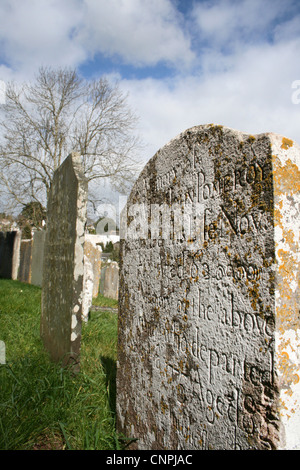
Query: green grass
x=42, y=405
x=101, y=301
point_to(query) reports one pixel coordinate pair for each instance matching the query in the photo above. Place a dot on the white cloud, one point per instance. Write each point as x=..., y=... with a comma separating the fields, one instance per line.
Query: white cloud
x=52, y=32
x=253, y=95
x=35, y=32
x=243, y=61
x=227, y=23
x=288, y=30
x=138, y=32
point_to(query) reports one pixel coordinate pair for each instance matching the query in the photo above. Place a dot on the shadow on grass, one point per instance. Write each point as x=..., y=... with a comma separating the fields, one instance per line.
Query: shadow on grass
x=110, y=368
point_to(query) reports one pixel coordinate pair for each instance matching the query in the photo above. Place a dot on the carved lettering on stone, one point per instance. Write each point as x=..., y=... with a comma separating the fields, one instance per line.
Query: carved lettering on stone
x=208, y=354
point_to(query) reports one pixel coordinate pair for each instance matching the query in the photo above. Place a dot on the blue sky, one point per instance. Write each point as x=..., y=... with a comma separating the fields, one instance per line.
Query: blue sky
x=183, y=63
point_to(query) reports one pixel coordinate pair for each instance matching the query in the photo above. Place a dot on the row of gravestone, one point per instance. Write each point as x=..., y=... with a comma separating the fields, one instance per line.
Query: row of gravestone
x=209, y=324
x=22, y=260
x=15, y=255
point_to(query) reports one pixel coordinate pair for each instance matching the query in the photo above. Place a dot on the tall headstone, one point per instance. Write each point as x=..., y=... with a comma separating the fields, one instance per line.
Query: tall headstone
x=209, y=325
x=63, y=263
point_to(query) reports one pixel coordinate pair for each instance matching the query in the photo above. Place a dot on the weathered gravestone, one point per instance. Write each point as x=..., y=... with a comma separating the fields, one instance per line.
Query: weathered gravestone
x=9, y=254
x=37, y=257
x=209, y=325
x=93, y=251
x=111, y=281
x=63, y=263
x=92, y=272
x=24, y=271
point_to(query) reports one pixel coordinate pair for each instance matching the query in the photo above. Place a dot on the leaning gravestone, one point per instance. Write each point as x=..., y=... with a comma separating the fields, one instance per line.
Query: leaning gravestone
x=208, y=353
x=63, y=263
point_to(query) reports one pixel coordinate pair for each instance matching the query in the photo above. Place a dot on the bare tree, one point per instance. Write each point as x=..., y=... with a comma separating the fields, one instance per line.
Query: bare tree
x=58, y=113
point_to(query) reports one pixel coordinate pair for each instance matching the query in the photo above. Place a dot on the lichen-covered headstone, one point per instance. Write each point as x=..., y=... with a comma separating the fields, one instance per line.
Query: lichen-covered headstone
x=209, y=325
x=63, y=268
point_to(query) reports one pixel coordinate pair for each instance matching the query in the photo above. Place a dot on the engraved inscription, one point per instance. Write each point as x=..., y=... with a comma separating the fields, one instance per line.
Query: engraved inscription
x=197, y=297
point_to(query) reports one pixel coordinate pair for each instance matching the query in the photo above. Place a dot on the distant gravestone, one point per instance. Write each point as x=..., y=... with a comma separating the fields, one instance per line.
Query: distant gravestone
x=37, y=257
x=63, y=263
x=7, y=253
x=93, y=252
x=16, y=255
x=111, y=281
x=2, y=352
x=24, y=271
x=102, y=276
x=208, y=354
x=92, y=272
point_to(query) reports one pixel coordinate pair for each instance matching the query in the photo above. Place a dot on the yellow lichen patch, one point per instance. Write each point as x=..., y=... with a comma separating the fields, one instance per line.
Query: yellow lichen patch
x=254, y=295
x=286, y=143
x=286, y=191
x=285, y=315
x=289, y=237
x=296, y=378
x=287, y=177
x=278, y=216
x=284, y=357
x=163, y=405
x=288, y=370
x=286, y=266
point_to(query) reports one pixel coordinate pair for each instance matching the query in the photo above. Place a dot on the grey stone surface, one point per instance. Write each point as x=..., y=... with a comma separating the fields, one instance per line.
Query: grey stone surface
x=92, y=271
x=102, y=276
x=16, y=255
x=24, y=271
x=111, y=281
x=209, y=333
x=94, y=253
x=2, y=353
x=63, y=269
x=37, y=257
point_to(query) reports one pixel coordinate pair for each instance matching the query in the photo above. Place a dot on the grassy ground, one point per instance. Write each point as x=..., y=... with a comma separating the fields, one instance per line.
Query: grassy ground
x=42, y=406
